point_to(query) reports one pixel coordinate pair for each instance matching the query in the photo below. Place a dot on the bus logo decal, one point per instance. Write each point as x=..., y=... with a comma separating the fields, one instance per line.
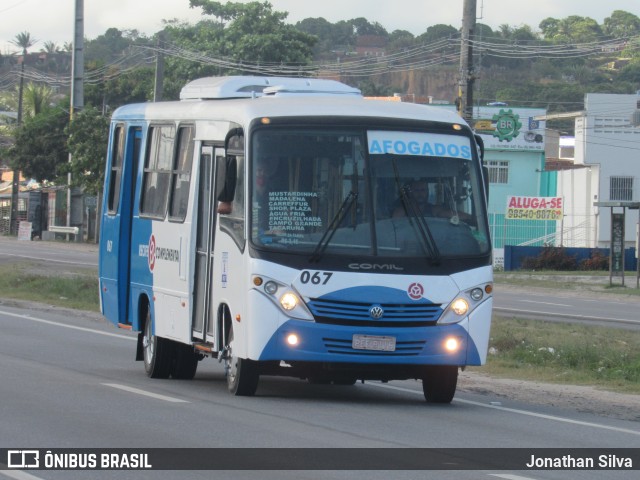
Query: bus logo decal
x=415, y=291
x=152, y=252
x=376, y=311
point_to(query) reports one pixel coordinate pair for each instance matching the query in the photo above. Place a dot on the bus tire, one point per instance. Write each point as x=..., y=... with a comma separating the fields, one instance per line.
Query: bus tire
x=242, y=373
x=439, y=384
x=158, y=352
x=185, y=363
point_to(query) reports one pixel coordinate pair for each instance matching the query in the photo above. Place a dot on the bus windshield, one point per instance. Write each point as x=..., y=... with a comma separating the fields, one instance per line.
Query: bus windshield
x=387, y=193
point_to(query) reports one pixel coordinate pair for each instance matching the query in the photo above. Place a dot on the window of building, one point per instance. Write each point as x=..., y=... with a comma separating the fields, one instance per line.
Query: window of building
x=498, y=171
x=621, y=188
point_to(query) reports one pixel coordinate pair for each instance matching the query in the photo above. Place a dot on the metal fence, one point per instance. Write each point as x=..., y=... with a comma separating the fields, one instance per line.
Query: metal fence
x=571, y=231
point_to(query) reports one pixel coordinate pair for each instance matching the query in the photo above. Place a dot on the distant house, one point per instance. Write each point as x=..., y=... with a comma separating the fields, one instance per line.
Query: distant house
x=371, y=46
x=606, y=168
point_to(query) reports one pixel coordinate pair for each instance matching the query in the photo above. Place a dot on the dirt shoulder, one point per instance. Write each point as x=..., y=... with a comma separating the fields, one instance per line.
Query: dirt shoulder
x=571, y=397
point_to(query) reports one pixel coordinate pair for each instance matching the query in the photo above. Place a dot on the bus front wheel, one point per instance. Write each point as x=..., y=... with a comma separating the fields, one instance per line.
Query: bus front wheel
x=158, y=355
x=242, y=373
x=439, y=383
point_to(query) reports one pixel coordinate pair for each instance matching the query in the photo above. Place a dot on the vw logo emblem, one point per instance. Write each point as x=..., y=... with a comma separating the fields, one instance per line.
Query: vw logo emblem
x=376, y=311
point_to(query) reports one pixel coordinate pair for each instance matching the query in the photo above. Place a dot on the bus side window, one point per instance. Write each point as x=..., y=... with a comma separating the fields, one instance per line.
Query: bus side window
x=157, y=171
x=115, y=179
x=181, y=175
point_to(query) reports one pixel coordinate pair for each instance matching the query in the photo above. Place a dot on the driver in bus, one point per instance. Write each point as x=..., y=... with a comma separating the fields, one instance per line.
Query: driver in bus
x=419, y=191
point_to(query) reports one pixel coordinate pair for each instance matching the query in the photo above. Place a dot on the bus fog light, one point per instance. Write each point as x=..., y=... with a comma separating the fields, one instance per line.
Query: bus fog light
x=451, y=344
x=288, y=301
x=292, y=339
x=460, y=306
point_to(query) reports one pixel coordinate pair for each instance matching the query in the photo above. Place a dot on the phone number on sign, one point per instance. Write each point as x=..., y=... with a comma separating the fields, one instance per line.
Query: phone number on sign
x=528, y=214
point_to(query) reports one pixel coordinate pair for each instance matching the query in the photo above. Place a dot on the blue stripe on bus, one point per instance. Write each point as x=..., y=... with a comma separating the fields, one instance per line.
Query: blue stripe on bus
x=329, y=343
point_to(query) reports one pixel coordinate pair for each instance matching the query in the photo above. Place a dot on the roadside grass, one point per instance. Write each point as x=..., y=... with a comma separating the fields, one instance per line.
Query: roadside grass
x=572, y=281
x=565, y=353
x=77, y=290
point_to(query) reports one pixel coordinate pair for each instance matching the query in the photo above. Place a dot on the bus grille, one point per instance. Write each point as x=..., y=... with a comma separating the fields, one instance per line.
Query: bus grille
x=358, y=314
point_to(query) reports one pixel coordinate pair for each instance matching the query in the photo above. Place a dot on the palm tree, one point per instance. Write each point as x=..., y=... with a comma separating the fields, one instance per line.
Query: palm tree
x=24, y=41
x=49, y=47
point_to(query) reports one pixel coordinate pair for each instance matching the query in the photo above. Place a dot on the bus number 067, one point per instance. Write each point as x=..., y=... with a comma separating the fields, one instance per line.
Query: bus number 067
x=315, y=278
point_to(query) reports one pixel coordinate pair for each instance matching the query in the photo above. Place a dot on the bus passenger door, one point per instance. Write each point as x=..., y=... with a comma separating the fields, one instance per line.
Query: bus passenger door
x=205, y=228
x=115, y=261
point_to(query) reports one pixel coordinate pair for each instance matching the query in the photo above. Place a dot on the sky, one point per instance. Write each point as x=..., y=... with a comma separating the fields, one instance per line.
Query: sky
x=53, y=20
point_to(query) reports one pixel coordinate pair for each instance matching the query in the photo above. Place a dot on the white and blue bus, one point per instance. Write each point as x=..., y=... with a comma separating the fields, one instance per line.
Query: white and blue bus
x=289, y=226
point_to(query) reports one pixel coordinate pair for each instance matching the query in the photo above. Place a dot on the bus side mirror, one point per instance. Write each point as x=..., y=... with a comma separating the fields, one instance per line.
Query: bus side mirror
x=227, y=171
x=226, y=184
x=485, y=175
x=485, y=169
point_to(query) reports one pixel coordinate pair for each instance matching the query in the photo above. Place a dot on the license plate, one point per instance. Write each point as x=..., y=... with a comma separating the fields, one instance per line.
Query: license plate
x=373, y=342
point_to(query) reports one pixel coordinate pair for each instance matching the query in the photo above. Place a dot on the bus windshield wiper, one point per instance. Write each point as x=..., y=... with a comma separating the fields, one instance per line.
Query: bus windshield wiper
x=417, y=220
x=333, y=226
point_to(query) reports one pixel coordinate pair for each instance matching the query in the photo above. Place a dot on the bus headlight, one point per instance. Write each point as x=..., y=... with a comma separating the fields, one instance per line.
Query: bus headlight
x=284, y=296
x=289, y=301
x=464, y=304
x=460, y=306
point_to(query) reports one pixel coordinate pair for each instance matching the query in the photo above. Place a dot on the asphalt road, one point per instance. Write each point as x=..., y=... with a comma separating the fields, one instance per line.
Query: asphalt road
x=70, y=381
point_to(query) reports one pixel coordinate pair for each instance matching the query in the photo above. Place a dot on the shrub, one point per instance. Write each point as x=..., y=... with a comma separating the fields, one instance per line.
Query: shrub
x=597, y=261
x=551, y=258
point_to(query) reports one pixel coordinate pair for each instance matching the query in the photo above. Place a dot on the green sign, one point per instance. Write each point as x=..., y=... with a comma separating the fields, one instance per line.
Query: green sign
x=508, y=125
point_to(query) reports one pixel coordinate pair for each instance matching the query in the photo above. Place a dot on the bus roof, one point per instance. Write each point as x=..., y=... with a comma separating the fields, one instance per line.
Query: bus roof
x=239, y=100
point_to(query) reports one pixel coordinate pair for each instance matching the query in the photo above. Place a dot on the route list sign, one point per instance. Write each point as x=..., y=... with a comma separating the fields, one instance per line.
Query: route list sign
x=291, y=211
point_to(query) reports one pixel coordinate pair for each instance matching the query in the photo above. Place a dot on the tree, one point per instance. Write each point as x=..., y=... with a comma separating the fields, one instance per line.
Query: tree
x=49, y=47
x=573, y=29
x=254, y=32
x=621, y=24
x=35, y=98
x=40, y=148
x=24, y=41
x=437, y=32
x=88, y=136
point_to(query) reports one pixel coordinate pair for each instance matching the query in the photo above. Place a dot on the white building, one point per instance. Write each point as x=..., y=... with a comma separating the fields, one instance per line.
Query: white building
x=606, y=169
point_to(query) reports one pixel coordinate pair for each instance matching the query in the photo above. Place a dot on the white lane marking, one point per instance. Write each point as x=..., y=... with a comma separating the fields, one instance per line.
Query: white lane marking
x=508, y=476
x=566, y=315
x=520, y=412
x=145, y=393
x=16, y=474
x=538, y=302
x=73, y=327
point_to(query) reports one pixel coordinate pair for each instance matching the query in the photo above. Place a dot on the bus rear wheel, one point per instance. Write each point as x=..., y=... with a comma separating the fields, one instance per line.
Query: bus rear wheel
x=158, y=352
x=242, y=373
x=185, y=363
x=439, y=383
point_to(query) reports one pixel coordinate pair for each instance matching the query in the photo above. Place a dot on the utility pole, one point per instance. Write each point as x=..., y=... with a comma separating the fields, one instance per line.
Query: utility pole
x=159, y=79
x=77, y=89
x=464, y=101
